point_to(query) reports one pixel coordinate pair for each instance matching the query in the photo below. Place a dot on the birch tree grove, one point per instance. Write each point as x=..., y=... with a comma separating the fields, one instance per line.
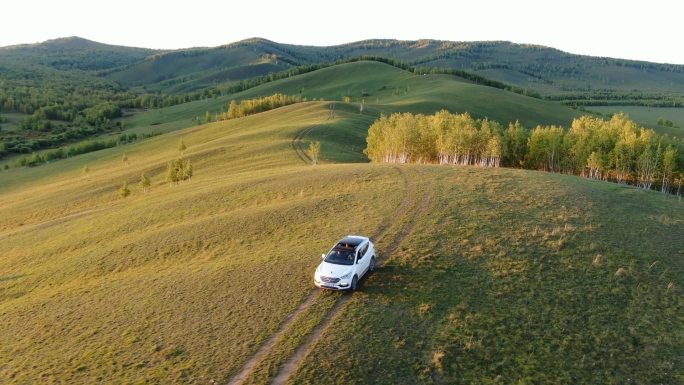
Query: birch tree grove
x=442, y=138
x=669, y=166
x=253, y=106
x=616, y=149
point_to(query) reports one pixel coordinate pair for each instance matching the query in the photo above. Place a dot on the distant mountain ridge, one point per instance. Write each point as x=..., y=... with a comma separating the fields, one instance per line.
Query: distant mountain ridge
x=544, y=69
x=75, y=53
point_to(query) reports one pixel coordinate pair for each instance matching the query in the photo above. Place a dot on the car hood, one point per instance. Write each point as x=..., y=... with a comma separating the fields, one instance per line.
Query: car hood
x=332, y=270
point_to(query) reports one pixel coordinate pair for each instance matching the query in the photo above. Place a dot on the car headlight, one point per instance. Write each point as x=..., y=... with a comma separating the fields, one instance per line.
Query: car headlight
x=346, y=275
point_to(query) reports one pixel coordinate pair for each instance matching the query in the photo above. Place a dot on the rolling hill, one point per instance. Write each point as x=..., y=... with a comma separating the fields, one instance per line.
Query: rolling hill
x=71, y=89
x=74, y=53
x=546, y=70
x=488, y=275
x=384, y=89
x=192, y=69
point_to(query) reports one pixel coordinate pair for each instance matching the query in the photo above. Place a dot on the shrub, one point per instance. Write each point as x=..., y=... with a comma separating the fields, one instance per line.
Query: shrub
x=124, y=191
x=314, y=151
x=145, y=182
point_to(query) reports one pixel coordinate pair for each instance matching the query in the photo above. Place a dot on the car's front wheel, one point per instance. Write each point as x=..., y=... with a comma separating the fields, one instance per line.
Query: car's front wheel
x=354, y=284
x=371, y=267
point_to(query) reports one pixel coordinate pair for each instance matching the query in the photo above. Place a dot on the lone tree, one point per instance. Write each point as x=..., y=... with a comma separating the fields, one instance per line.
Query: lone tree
x=332, y=110
x=178, y=170
x=181, y=146
x=145, y=182
x=124, y=191
x=314, y=151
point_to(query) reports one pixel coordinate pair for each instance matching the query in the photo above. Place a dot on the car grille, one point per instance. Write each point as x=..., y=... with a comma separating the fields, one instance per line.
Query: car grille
x=330, y=280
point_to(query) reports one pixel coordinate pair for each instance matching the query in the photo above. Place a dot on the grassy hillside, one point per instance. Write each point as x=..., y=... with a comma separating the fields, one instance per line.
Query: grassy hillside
x=544, y=69
x=192, y=69
x=188, y=70
x=518, y=277
x=498, y=276
x=82, y=281
x=384, y=89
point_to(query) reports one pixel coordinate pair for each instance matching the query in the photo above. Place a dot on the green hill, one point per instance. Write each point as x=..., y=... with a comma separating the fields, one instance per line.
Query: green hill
x=192, y=69
x=74, y=53
x=57, y=87
x=489, y=275
x=549, y=71
x=383, y=88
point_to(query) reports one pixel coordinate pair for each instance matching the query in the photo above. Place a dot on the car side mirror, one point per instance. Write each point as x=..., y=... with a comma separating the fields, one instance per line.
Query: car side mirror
x=322, y=256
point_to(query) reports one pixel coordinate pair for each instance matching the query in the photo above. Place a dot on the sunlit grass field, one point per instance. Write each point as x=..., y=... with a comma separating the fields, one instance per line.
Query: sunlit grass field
x=519, y=277
x=167, y=285
x=506, y=276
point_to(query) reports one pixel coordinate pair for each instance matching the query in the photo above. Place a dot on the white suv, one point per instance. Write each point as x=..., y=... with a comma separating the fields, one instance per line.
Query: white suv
x=345, y=264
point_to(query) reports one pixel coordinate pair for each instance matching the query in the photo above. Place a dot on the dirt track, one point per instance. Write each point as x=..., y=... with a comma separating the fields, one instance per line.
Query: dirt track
x=410, y=207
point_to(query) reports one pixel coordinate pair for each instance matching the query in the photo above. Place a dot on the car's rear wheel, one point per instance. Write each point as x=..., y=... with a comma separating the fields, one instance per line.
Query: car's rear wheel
x=354, y=284
x=371, y=267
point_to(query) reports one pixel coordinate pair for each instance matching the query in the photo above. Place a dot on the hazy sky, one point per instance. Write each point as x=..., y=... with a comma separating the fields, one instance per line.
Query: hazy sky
x=646, y=30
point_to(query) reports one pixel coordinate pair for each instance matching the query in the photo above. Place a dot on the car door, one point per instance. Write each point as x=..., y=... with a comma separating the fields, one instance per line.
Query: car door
x=363, y=259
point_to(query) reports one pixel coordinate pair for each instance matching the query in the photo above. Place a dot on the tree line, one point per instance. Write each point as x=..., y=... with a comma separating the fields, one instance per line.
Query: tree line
x=615, y=149
x=608, y=97
x=36, y=159
x=254, y=106
x=62, y=108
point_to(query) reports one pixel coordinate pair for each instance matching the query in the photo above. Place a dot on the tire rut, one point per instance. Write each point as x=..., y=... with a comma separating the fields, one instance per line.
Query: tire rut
x=297, y=144
x=297, y=141
x=271, y=342
x=294, y=362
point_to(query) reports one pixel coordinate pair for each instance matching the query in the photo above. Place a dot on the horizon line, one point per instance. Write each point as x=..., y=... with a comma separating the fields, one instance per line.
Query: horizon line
x=257, y=38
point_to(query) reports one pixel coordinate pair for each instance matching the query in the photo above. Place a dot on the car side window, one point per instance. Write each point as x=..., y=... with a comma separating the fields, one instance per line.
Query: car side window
x=363, y=250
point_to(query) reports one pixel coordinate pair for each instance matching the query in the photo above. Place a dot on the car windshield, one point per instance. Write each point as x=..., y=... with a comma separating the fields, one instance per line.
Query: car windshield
x=340, y=256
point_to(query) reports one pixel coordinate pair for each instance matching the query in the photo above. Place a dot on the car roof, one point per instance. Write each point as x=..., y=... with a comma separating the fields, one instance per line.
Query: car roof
x=351, y=241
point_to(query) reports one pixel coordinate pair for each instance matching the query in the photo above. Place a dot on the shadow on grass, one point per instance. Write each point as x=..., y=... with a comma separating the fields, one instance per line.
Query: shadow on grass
x=11, y=277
